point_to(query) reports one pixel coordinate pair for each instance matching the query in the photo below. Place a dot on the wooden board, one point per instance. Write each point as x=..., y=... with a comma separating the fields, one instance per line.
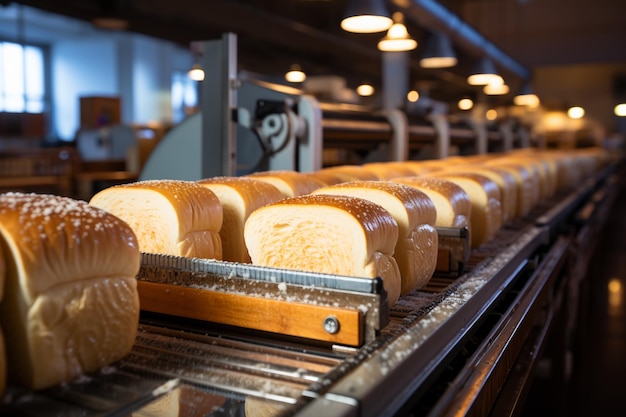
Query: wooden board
x=276, y=316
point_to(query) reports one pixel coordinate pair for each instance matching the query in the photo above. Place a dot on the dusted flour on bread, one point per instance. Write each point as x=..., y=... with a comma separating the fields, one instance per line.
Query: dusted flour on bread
x=70, y=304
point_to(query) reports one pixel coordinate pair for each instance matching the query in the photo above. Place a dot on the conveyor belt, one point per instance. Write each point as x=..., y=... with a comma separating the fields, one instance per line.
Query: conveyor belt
x=431, y=338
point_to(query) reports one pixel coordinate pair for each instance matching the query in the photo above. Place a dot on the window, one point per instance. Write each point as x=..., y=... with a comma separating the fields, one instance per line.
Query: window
x=184, y=96
x=21, y=78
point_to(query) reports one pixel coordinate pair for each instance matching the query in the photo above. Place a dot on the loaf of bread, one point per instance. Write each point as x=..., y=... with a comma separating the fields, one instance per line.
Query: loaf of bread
x=451, y=201
x=328, y=234
x=415, y=213
x=169, y=217
x=239, y=196
x=504, y=180
x=350, y=173
x=290, y=183
x=485, y=198
x=527, y=184
x=70, y=304
x=388, y=170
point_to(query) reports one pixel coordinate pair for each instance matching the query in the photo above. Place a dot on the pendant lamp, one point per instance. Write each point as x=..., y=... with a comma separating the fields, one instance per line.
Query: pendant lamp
x=438, y=52
x=366, y=16
x=526, y=96
x=483, y=73
x=397, y=38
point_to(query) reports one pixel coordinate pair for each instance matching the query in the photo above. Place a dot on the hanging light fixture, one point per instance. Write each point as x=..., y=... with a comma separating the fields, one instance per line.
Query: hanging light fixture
x=366, y=16
x=576, y=112
x=365, y=90
x=465, y=104
x=526, y=97
x=483, y=73
x=295, y=74
x=438, y=52
x=397, y=38
x=196, y=72
x=496, y=88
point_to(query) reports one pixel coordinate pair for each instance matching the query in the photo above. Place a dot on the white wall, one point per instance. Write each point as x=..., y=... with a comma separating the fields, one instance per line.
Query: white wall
x=80, y=68
x=136, y=68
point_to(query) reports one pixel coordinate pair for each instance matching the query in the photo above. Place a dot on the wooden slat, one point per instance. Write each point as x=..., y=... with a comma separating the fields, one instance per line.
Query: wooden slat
x=283, y=317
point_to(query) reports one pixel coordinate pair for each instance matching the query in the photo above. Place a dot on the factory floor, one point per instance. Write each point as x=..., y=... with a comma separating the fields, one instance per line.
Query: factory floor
x=597, y=356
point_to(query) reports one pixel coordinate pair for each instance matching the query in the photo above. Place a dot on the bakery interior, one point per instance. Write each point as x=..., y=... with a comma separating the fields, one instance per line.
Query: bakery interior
x=112, y=101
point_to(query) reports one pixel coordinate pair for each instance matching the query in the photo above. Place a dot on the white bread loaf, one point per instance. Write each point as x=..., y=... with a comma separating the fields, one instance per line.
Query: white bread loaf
x=527, y=185
x=239, y=196
x=451, y=201
x=388, y=170
x=328, y=234
x=504, y=180
x=70, y=304
x=546, y=179
x=327, y=178
x=350, y=173
x=486, y=213
x=415, y=213
x=417, y=167
x=169, y=217
x=290, y=183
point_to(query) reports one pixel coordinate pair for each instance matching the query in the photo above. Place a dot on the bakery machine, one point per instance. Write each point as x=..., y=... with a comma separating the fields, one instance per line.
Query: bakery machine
x=248, y=123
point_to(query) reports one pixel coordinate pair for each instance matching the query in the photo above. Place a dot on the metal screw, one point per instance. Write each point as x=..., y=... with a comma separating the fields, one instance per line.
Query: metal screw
x=331, y=324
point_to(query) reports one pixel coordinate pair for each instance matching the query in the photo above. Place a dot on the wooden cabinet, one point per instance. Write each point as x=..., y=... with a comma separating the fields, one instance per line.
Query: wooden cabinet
x=96, y=112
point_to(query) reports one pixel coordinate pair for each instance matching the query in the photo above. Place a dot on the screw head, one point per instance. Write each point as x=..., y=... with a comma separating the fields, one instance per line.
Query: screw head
x=331, y=324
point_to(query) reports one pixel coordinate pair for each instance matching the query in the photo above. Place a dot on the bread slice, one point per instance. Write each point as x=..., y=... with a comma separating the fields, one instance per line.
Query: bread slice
x=290, y=183
x=328, y=234
x=486, y=213
x=415, y=213
x=239, y=196
x=70, y=304
x=170, y=217
x=451, y=201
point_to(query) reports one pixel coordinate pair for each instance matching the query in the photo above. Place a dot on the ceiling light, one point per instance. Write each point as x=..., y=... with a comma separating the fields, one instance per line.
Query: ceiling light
x=295, y=74
x=575, y=112
x=620, y=110
x=397, y=38
x=366, y=16
x=413, y=96
x=483, y=73
x=438, y=52
x=496, y=89
x=196, y=73
x=365, y=90
x=491, y=114
x=465, y=104
x=526, y=97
